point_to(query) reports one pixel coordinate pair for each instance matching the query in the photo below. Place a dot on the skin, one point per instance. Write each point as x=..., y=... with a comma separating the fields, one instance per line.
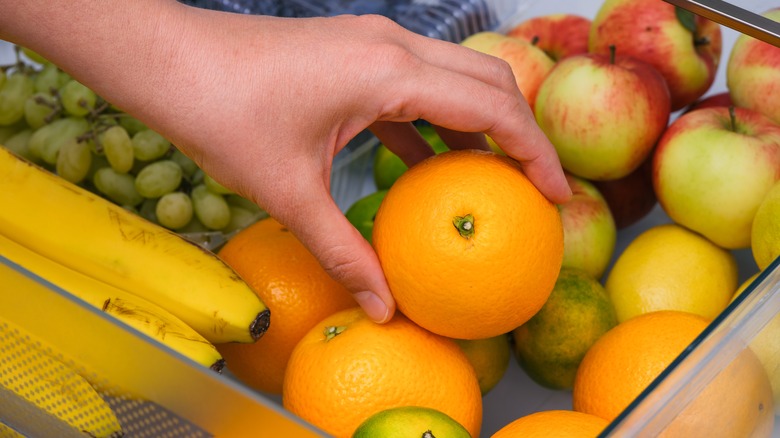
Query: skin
x=264, y=104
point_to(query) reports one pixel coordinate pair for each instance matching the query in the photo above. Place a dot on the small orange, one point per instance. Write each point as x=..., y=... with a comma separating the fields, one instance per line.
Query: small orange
x=625, y=360
x=470, y=248
x=554, y=423
x=348, y=368
x=297, y=290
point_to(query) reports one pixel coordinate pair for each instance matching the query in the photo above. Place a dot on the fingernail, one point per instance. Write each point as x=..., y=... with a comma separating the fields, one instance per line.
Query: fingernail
x=374, y=307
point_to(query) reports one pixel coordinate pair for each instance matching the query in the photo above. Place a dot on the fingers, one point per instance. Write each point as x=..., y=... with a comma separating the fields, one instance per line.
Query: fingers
x=341, y=250
x=404, y=140
x=462, y=140
x=477, y=106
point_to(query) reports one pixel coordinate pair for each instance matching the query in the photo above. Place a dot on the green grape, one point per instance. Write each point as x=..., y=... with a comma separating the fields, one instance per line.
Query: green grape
x=214, y=186
x=64, y=78
x=158, y=178
x=48, y=79
x=74, y=160
x=188, y=167
x=194, y=226
x=3, y=77
x=240, y=201
x=240, y=218
x=118, y=148
x=197, y=177
x=210, y=208
x=132, y=124
x=38, y=108
x=98, y=162
x=77, y=99
x=19, y=144
x=9, y=131
x=34, y=56
x=148, y=145
x=147, y=210
x=174, y=210
x=15, y=91
x=118, y=187
x=46, y=141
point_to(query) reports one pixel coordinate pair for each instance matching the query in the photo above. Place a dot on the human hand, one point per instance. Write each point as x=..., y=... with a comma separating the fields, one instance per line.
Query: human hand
x=264, y=104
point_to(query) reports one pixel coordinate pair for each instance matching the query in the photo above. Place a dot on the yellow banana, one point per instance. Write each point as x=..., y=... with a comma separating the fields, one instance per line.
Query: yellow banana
x=7, y=431
x=33, y=376
x=144, y=316
x=91, y=235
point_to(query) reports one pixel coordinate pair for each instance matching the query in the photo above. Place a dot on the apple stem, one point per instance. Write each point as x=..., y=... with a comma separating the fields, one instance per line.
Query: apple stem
x=464, y=225
x=535, y=40
x=733, y=117
x=612, y=49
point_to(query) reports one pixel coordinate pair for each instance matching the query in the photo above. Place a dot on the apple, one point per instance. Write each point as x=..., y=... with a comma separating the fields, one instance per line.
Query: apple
x=361, y=214
x=603, y=113
x=753, y=73
x=589, y=231
x=718, y=99
x=684, y=47
x=559, y=35
x=632, y=197
x=712, y=168
x=529, y=63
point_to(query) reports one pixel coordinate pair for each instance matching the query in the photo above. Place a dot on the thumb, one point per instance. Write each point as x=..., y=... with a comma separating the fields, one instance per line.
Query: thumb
x=343, y=252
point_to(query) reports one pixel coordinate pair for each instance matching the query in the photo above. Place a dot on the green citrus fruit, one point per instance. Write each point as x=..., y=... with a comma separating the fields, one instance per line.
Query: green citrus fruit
x=410, y=422
x=389, y=166
x=361, y=214
x=551, y=345
x=489, y=357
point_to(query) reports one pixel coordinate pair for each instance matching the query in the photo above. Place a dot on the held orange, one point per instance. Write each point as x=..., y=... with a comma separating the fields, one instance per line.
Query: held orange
x=470, y=248
x=295, y=288
x=347, y=368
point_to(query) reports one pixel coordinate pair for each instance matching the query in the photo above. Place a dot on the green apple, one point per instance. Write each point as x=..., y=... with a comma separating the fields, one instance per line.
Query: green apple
x=684, y=47
x=362, y=213
x=603, y=113
x=589, y=231
x=389, y=166
x=753, y=73
x=713, y=167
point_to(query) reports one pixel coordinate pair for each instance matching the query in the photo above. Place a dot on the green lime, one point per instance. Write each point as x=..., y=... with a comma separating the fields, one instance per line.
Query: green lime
x=551, y=345
x=389, y=166
x=410, y=422
x=362, y=213
x=489, y=357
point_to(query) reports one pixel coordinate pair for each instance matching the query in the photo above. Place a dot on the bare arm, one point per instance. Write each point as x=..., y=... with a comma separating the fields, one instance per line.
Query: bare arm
x=263, y=104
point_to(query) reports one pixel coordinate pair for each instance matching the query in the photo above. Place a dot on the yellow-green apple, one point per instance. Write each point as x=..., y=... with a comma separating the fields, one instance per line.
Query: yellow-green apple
x=712, y=168
x=529, y=63
x=603, y=113
x=722, y=98
x=589, y=231
x=559, y=35
x=753, y=73
x=632, y=197
x=684, y=47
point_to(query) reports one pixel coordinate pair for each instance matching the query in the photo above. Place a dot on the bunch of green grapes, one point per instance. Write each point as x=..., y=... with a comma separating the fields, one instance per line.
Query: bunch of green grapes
x=51, y=119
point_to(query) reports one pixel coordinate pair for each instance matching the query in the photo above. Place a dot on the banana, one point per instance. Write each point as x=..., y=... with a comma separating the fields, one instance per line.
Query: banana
x=7, y=431
x=91, y=235
x=34, y=382
x=144, y=316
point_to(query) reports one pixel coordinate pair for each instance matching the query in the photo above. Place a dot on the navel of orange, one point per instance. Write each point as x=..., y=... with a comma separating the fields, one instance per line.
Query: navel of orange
x=470, y=248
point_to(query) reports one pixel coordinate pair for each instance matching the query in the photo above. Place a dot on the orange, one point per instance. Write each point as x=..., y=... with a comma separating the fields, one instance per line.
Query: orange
x=470, y=248
x=295, y=288
x=347, y=368
x=554, y=423
x=625, y=360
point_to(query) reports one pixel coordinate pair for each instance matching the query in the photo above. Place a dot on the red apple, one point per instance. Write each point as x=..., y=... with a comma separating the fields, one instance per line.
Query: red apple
x=589, y=231
x=630, y=198
x=603, y=113
x=559, y=35
x=719, y=99
x=713, y=167
x=753, y=73
x=529, y=63
x=684, y=47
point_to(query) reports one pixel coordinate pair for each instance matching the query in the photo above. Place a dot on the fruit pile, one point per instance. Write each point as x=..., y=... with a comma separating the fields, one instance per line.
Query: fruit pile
x=54, y=121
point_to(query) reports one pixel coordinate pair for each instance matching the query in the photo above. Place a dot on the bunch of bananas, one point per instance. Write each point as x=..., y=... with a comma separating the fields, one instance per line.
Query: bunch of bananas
x=136, y=271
